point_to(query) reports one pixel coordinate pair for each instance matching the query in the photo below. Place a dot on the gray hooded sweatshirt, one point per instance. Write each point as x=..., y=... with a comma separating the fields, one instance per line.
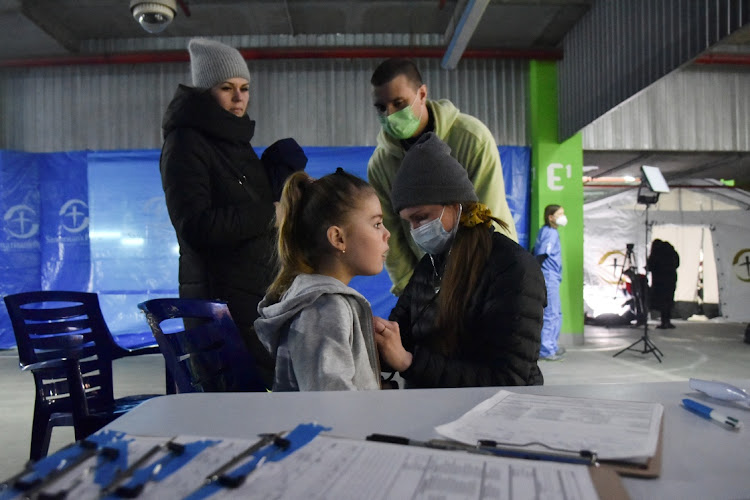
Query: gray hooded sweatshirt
x=320, y=334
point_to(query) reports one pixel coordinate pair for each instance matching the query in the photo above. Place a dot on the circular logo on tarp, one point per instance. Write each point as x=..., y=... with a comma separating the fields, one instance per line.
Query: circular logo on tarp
x=74, y=215
x=611, y=263
x=741, y=265
x=21, y=222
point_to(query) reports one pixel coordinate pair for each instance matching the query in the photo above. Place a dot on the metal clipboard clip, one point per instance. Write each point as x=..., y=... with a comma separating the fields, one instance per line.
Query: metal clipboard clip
x=490, y=447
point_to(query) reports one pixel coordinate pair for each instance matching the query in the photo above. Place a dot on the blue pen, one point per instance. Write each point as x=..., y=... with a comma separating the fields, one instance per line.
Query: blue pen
x=711, y=414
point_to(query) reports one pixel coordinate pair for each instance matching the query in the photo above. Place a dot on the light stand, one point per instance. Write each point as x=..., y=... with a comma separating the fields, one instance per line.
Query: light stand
x=647, y=195
x=627, y=263
x=637, y=298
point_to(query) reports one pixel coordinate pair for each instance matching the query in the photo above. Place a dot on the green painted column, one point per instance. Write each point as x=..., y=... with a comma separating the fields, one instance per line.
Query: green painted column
x=557, y=178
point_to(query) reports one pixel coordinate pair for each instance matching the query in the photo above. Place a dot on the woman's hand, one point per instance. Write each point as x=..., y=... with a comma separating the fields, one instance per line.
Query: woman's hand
x=388, y=340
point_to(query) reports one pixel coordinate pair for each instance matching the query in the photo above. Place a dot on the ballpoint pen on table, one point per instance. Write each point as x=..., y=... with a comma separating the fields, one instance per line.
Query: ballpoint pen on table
x=121, y=476
x=138, y=480
x=227, y=474
x=237, y=476
x=709, y=413
x=106, y=453
x=40, y=477
x=721, y=390
x=63, y=492
x=489, y=447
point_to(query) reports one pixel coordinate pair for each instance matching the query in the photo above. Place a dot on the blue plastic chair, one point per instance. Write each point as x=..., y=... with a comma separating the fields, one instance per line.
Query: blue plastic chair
x=64, y=341
x=207, y=356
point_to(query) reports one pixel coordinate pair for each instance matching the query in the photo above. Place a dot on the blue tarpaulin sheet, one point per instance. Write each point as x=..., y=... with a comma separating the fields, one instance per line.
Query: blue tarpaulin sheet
x=96, y=221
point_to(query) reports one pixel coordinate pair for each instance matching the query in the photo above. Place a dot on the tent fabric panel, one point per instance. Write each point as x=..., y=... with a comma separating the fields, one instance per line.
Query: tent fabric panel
x=97, y=221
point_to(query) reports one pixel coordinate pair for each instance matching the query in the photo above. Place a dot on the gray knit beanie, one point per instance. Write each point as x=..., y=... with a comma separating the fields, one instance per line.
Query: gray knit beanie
x=429, y=175
x=212, y=62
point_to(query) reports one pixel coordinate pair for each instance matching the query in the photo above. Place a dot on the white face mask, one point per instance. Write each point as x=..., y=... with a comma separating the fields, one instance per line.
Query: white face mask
x=432, y=237
x=562, y=220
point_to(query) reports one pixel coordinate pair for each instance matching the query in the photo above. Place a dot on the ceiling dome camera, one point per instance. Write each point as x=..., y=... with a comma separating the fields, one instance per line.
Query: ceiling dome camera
x=154, y=15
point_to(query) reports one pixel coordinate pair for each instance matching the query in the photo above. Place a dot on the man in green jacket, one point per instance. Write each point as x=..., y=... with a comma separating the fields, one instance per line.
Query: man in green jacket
x=405, y=113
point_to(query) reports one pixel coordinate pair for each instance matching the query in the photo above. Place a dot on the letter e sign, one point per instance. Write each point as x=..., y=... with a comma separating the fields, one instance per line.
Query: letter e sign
x=553, y=178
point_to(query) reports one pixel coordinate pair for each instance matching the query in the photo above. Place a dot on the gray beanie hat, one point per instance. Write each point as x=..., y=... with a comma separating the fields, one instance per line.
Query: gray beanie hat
x=212, y=62
x=429, y=175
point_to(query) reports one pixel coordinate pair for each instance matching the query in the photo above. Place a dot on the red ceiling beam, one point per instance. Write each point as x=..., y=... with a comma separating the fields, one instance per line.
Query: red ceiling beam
x=184, y=6
x=716, y=58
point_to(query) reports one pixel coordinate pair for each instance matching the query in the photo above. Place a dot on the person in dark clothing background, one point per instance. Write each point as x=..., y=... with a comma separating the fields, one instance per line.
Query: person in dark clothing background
x=663, y=262
x=218, y=193
x=471, y=314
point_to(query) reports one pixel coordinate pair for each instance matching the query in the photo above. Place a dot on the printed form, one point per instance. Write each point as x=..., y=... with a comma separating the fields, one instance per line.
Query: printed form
x=615, y=430
x=336, y=468
x=327, y=468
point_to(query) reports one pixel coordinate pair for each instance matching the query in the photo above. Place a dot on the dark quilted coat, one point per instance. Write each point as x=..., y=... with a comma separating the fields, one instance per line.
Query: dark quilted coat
x=220, y=202
x=500, y=346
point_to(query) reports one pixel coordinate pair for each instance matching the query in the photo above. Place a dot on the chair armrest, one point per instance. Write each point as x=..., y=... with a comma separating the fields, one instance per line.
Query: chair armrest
x=133, y=344
x=45, y=365
x=123, y=352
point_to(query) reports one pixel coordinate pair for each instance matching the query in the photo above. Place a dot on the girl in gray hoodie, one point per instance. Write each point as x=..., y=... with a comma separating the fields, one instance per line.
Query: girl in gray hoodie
x=317, y=328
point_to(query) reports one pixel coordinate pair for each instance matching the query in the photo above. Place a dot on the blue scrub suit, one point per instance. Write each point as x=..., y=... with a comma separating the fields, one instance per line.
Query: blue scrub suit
x=548, y=242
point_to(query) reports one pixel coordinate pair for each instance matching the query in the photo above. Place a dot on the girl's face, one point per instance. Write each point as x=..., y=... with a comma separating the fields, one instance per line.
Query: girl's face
x=232, y=95
x=553, y=218
x=365, y=239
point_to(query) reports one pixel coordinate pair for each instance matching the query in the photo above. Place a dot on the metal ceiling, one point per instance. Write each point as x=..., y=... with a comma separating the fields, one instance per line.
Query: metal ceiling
x=33, y=28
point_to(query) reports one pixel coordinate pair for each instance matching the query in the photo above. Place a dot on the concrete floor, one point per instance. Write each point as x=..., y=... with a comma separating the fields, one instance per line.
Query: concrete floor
x=711, y=350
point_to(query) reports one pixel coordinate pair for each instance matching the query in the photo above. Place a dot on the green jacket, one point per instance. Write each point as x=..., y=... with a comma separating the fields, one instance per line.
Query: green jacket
x=473, y=146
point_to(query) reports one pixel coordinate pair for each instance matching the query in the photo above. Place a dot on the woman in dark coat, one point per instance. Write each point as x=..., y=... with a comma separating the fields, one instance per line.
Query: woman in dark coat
x=472, y=312
x=217, y=191
x=663, y=263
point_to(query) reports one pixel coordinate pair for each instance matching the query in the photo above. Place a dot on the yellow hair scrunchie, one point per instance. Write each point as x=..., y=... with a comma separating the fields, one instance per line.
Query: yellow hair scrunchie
x=478, y=214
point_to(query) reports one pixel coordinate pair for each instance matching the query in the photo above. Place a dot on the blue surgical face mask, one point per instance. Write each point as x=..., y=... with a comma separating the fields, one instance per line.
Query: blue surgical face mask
x=432, y=237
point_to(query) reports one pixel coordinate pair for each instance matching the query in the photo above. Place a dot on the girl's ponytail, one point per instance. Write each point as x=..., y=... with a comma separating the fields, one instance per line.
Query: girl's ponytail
x=289, y=254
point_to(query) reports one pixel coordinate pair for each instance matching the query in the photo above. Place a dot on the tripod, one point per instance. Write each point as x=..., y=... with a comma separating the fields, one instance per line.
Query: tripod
x=640, y=296
x=628, y=262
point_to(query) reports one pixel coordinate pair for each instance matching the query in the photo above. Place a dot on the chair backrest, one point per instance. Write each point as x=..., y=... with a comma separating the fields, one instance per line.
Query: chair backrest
x=55, y=325
x=209, y=355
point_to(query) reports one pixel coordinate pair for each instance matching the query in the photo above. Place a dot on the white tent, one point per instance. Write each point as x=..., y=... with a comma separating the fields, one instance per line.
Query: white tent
x=707, y=223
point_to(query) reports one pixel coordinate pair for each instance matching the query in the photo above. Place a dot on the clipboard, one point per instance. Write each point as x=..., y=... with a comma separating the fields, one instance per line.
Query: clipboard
x=607, y=483
x=652, y=467
x=604, y=438
x=605, y=478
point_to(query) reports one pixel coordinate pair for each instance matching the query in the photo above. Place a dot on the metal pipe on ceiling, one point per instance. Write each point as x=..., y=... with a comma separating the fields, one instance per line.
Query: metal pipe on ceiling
x=172, y=56
x=732, y=59
x=184, y=6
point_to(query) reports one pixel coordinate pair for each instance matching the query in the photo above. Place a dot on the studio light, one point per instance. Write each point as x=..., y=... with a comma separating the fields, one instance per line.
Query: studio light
x=652, y=185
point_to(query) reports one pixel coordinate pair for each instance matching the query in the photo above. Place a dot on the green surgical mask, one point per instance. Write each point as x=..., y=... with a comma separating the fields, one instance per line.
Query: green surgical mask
x=402, y=124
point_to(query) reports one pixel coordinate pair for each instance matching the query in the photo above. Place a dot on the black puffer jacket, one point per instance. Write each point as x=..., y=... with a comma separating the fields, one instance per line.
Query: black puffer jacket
x=220, y=202
x=503, y=324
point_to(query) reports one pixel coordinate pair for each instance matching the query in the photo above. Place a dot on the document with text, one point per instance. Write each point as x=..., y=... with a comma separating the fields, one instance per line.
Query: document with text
x=615, y=430
x=335, y=468
x=303, y=466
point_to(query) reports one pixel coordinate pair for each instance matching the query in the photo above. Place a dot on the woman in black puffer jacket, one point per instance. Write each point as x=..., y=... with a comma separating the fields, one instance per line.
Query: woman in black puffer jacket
x=472, y=312
x=218, y=194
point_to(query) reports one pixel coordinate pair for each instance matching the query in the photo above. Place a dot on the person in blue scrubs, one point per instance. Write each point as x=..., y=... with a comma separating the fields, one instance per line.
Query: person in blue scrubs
x=548, y=254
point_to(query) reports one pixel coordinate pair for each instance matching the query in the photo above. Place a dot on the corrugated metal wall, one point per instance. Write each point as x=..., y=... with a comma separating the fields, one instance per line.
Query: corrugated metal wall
x=699, y=108
x=320, y=102
x=619, y=48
